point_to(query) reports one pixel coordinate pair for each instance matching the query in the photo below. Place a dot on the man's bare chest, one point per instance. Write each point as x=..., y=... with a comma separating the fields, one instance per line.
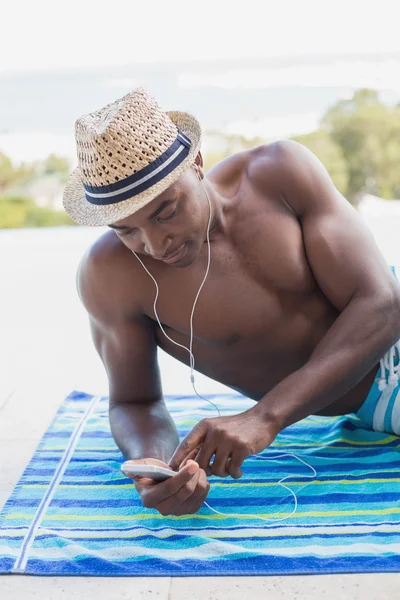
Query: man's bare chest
x=259, y=287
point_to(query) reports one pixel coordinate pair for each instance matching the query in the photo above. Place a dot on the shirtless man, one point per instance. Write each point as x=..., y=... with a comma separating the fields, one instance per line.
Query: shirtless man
x=297, y=311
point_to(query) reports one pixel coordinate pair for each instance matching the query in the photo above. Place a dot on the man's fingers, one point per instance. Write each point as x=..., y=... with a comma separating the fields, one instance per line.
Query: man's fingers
x=196, y=500
x=191, y=441
x=205, y=455
x=191, y=456
x=220, y=462
x=208, y=471
x=173, y=504
x=142, y=483
x=187, y=490
x=171, y=486
x=235, y=463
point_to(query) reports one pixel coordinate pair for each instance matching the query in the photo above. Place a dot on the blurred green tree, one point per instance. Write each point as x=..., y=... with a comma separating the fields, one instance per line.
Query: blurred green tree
x=11, y=175
x=358, y=142
x=228, y=145
x=330, y=154
x=6, y=171
x=368, y=133
x=57, y=165
x=18, y=211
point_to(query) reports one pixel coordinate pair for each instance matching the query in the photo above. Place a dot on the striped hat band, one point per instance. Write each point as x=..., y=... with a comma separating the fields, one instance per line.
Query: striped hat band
x=141, y=180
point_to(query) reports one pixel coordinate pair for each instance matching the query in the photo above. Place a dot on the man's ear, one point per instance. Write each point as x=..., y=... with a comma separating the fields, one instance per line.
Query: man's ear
x=199, y=160
x=198, y=166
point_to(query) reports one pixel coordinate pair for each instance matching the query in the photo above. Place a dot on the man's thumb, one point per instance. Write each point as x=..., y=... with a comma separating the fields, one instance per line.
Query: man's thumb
x=174, y=463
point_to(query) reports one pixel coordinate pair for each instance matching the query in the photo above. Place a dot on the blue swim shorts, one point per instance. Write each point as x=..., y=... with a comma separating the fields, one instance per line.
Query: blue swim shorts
x=381, y=409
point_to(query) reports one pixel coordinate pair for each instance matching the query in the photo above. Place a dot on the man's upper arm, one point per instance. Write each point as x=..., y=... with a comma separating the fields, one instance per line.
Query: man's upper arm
x=340, y=249
x=123, y=338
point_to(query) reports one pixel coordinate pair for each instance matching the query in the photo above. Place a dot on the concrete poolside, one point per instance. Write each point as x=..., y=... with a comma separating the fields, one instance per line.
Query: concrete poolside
x=46, y=351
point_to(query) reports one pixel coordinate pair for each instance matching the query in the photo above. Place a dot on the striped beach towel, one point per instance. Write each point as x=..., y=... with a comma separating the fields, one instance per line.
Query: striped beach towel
x=74, y=513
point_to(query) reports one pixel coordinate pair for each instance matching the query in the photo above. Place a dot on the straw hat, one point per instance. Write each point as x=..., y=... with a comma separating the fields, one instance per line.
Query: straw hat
x=129, y=152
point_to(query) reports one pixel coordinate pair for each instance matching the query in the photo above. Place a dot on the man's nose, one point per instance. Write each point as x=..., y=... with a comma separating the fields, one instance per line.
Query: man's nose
x=157, y=245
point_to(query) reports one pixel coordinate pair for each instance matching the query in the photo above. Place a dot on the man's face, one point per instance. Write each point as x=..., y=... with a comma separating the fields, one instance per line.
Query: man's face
x=174, y=223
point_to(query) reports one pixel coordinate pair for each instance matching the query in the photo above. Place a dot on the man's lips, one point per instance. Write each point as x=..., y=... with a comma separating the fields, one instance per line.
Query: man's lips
x=171, y=258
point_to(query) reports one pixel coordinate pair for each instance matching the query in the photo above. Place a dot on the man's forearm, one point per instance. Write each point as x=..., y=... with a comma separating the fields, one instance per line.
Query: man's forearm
x=144, y=430
x=349, y=350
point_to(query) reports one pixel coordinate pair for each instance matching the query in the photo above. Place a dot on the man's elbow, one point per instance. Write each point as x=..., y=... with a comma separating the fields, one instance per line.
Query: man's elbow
x=389, y=308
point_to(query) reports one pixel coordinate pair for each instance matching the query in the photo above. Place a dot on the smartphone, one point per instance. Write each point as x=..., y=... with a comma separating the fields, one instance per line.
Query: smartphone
x=152, y=471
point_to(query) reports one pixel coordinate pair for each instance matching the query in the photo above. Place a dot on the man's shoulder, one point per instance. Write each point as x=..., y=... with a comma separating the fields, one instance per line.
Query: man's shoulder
x=262, y=166
x=104, y=273
x=274, y=161
x=107, y=250
x=287, y=166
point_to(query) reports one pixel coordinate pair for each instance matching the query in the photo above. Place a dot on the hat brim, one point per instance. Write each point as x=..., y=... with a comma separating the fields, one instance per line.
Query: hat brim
x=85, y=213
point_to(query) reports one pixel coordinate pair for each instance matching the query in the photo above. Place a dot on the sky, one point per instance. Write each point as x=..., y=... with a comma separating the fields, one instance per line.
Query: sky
x=63, y=37
x=52, y=35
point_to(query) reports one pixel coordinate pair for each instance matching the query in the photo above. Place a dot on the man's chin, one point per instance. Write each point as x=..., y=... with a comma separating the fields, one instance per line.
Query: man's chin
x=189, y=259
x=186, y=261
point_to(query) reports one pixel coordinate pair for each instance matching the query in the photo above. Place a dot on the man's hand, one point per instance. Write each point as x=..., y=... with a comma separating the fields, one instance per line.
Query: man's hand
x=231, y=439
x=182, y=494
